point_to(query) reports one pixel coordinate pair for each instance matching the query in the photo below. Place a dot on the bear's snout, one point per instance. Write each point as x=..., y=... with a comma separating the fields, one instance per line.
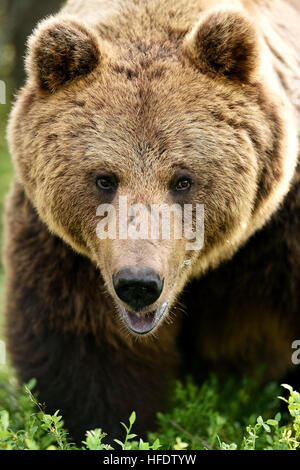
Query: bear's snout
x=138, y=286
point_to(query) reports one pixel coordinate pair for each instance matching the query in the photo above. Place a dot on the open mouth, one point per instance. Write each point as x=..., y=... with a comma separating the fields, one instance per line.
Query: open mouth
x=143, y=323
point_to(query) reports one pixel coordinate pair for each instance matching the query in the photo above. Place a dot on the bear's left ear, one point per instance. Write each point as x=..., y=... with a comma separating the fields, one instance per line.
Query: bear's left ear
x=224, y=43
x=60, y=50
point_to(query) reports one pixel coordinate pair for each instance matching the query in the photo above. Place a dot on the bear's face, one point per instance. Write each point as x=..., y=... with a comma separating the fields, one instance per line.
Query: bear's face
x=100, y=128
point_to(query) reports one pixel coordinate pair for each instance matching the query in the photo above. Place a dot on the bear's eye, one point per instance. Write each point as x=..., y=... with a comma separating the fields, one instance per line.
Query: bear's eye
x=182, y=184
x=107, y=182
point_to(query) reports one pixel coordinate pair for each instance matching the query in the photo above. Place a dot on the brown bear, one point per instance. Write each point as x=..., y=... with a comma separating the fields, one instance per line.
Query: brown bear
x=179, y=103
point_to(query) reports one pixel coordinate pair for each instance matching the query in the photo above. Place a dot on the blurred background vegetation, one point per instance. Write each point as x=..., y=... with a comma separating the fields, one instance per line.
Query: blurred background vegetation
x=17, y=20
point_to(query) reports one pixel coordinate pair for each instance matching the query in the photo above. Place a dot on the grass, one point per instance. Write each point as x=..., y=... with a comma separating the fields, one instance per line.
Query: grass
x=209, y=417
x=235, y=415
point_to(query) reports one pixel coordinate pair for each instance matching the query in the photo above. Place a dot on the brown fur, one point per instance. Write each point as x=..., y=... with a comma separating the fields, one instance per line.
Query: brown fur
x=64, y=51
x=224, y=43
x=146, y=91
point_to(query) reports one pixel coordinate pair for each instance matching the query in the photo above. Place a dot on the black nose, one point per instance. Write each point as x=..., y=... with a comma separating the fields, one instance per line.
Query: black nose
x=138, y=287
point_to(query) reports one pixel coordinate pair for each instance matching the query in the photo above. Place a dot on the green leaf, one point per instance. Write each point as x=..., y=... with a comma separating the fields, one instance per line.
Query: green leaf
x=4, y=420
x=156, y=445
x=288, y=387
x=272, y=422
x=132, y=418
x=283, y=399
x=266, y=427
x=119, y=442
x=124, y=426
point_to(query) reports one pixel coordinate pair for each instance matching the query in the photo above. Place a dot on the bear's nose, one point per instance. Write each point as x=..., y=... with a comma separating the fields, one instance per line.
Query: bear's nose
x=138, y=287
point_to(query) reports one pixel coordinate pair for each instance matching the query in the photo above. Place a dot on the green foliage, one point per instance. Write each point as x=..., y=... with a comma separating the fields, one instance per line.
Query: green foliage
x=130, y=444
x=24, y=425
x=212, y=416
x=215, y=413
x=5, y=180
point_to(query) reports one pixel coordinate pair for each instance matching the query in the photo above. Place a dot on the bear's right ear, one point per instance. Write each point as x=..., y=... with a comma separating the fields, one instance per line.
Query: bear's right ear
x=224, y=43
x=60, y=50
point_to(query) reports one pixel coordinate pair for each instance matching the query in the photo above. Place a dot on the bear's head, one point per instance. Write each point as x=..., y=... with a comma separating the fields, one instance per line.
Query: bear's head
x=111, y=133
